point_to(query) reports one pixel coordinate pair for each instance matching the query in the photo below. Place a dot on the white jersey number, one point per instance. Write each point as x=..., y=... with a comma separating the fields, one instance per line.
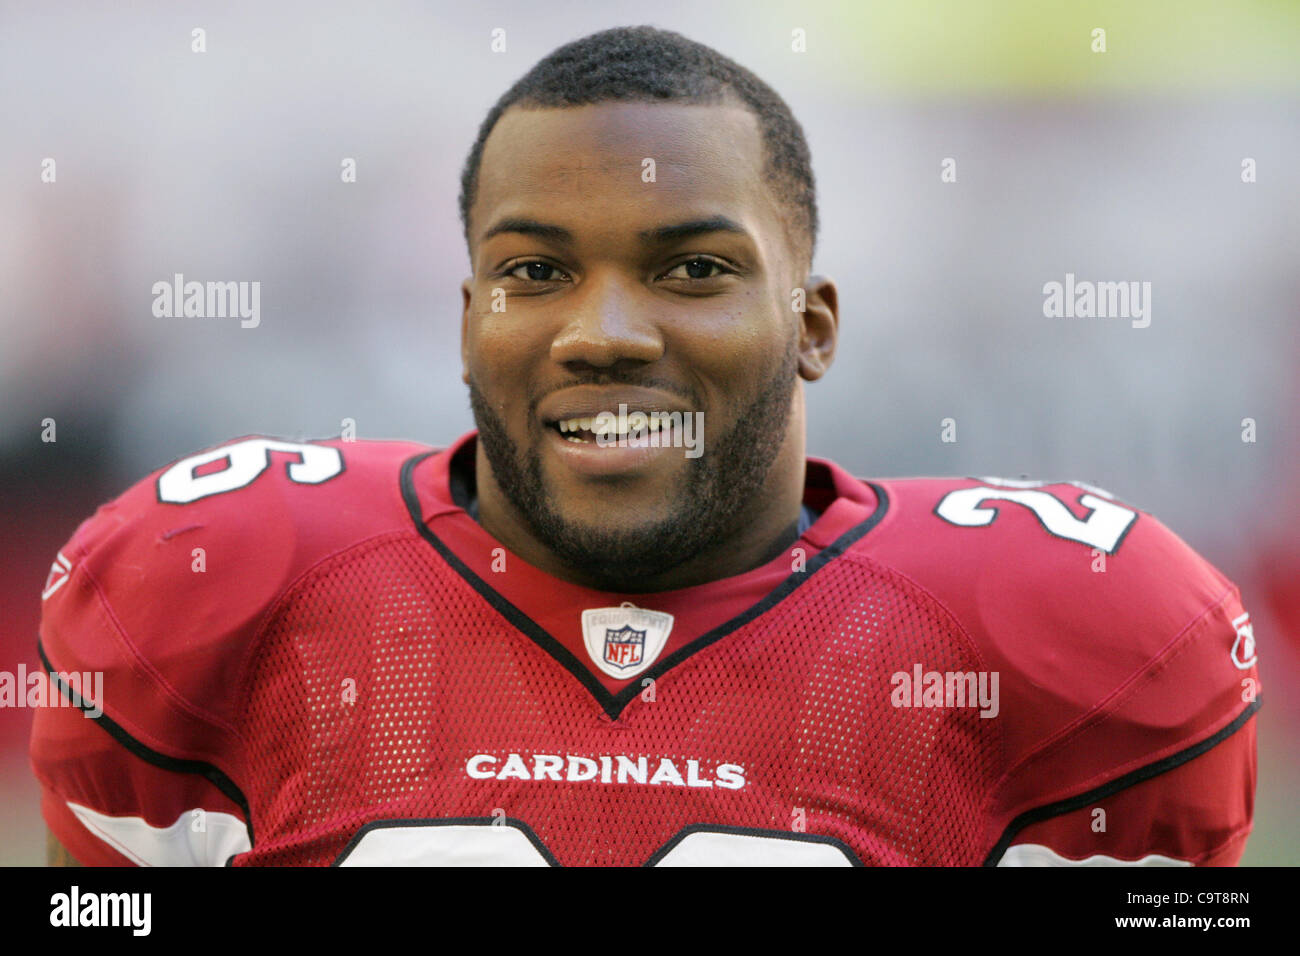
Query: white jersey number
x=245, y=461
x=505, y=842
x=1104, y=529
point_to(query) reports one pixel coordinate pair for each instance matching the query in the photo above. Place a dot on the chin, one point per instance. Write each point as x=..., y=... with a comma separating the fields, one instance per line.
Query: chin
x=581, y=526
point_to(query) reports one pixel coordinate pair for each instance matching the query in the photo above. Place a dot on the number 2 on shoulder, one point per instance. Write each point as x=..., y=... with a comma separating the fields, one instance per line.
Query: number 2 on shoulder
x=1103, y=529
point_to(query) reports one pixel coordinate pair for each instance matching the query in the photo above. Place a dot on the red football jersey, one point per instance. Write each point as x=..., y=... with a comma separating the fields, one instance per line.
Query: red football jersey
x=311, y=653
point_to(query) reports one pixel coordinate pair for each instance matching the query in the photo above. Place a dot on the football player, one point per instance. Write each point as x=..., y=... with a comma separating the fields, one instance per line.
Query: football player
x=627, y=620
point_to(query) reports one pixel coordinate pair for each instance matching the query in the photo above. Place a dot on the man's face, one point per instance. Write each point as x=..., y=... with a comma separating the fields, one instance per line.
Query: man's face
x=630, y=254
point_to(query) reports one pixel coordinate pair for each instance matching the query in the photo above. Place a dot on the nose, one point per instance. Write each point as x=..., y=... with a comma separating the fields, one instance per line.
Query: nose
x=611, y=320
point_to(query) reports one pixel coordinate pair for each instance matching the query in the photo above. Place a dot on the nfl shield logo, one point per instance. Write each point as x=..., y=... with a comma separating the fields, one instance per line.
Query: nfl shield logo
x=624, y=647
x=623, y=641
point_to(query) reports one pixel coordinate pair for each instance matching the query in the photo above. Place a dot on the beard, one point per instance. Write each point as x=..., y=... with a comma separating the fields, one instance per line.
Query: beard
x=707, y=505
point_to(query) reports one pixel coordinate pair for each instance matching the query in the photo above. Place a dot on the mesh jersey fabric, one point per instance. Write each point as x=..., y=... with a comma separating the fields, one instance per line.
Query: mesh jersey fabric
x=793, y=697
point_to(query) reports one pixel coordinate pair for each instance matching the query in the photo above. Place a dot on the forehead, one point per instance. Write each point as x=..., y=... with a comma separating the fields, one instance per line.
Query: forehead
x=587, y=163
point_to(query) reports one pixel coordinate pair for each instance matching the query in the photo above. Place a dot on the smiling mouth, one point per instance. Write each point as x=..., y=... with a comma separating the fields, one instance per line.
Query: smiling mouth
x=608, y=428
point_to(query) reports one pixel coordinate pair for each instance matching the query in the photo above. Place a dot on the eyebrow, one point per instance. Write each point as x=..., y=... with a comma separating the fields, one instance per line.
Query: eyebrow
x=656, y=236
x=529, y=227
x=688, y=230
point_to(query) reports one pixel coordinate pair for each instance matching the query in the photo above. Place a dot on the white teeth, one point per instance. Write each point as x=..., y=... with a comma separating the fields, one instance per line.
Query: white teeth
x=607, y=425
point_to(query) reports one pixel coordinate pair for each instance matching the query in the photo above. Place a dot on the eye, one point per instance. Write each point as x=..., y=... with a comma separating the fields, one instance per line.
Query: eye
x=697, y=268
x=535, y=271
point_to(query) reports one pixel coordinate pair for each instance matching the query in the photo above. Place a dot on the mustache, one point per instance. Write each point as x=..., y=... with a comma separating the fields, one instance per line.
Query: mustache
x=605, y=378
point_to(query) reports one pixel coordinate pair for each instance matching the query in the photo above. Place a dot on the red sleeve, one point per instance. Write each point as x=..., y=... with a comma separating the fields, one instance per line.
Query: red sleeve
x=159, y=599
x=109, y=807
x=155, y=604
x=1126, y=660
x=1195, y=813
x=131, y=770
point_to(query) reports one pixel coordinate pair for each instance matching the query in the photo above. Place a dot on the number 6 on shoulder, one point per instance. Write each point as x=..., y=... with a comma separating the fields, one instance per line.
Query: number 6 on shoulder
x=246, y=460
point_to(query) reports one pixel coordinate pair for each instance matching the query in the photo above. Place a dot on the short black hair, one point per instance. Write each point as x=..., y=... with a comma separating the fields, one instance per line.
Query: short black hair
x=647, y=64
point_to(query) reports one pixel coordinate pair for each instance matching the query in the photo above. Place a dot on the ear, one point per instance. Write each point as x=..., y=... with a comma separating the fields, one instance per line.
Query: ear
x=819, y=326
x=466, y=292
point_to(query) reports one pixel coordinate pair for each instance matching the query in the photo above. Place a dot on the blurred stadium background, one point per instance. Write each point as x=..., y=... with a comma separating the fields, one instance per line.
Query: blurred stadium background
x=1123, y=165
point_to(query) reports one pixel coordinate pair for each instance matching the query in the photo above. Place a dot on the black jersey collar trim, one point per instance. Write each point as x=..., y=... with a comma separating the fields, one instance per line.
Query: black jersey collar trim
x=613, y=704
